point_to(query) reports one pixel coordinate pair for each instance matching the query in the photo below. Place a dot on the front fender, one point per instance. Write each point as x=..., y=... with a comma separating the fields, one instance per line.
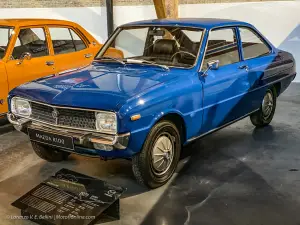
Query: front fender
x=181, y=97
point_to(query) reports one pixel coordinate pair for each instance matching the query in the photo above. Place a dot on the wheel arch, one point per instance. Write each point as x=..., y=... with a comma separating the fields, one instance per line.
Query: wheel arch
x=178, y=120
x=277, y=87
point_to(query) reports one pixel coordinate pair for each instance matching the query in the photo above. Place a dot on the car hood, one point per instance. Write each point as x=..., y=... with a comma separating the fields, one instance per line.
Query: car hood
x=99, y=86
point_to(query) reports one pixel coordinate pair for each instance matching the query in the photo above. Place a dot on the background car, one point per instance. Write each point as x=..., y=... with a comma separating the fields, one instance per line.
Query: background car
x=33, y=48
x=179, y=80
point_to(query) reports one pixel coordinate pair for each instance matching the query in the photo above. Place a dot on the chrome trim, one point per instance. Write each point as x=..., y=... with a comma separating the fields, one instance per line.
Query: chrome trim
x=118, y=141
x=13, y=120
x=2, y=114
x=71, y=108
x=220, y=127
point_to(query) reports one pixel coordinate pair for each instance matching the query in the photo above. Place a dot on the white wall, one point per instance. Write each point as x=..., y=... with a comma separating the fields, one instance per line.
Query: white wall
x=278, y=21
x=92, y=19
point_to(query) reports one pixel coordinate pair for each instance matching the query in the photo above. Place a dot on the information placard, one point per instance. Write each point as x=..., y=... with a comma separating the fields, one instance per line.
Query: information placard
x=70, y=198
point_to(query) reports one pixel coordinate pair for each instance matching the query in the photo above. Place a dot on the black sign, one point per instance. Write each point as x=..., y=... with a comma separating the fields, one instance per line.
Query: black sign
x=52, y=139
x=71, y=198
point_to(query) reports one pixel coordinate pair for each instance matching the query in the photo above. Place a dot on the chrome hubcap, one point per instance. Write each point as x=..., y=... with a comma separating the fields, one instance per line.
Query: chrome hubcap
x=267, y=105
x=162, y=155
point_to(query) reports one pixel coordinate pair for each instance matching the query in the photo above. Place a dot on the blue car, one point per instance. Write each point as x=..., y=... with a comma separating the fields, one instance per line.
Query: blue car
x=177, y=81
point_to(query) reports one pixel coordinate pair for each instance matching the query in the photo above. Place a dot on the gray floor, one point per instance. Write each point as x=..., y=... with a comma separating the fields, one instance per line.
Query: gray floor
x=239, y=175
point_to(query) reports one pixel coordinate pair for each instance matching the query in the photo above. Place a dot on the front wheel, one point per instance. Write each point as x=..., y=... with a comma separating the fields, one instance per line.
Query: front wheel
x=157, y=161
x=265, y=114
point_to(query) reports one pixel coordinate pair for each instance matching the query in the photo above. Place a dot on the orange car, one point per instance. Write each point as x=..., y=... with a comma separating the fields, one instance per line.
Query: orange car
x=33, y=48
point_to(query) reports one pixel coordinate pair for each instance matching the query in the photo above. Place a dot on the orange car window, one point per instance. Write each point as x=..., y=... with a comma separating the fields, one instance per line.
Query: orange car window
x=65, y=40
x=5, y=34
x=32, y=40
x=79, y=44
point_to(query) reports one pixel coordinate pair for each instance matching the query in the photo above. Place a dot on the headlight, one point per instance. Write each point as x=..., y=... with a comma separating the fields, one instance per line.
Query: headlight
x=20, y=107
x=106, y=122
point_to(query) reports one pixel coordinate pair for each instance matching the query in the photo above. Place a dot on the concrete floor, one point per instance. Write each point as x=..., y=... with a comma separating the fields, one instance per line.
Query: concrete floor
x=239, y=175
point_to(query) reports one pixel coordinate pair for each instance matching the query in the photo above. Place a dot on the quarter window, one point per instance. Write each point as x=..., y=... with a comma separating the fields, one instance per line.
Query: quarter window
x=222, y=46
x=252, y=44
x=65, y=40
x=79, y=44
x=32, y=40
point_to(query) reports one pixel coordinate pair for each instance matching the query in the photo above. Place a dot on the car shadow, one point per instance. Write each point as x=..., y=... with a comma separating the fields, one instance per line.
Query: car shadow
x=218, y=186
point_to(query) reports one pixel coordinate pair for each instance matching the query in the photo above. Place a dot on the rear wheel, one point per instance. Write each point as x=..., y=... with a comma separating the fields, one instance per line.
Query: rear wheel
x=49, y=153
x=265, y=114
x=159, y=157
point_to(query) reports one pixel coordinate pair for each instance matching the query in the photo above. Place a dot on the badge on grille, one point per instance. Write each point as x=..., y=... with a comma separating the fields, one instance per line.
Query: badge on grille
x=55, y=115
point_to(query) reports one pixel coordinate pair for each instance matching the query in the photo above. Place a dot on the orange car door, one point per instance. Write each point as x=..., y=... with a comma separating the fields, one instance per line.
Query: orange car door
x=30, y=58
x=70, y=50
x=5, y=45
x=3, y=89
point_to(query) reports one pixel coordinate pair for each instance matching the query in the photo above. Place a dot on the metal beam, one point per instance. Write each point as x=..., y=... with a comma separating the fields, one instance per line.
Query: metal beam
x=109, y=17
x=160, y=8
x=166, y=8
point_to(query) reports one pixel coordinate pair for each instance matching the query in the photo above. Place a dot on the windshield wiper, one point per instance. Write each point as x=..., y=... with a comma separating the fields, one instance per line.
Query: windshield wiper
x=147, y=62
x=112, y=58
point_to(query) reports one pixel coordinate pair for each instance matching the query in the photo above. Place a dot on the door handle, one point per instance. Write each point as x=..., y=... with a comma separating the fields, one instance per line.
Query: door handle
x=244, y=67
x=89, y=55
x=49, y=63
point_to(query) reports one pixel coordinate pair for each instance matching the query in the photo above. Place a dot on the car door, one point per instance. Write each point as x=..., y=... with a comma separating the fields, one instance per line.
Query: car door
x=30, y=57
x=71, y=51
x=257, y=56
x=5, y=46
x=3, y=89
x=224, y=87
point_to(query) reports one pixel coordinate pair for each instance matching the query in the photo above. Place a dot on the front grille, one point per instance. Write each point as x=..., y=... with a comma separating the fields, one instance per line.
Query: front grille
x=72, y=118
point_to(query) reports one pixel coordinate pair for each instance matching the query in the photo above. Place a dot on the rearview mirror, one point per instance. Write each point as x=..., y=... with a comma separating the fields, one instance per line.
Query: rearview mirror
x=25, y=55
x=211, y=65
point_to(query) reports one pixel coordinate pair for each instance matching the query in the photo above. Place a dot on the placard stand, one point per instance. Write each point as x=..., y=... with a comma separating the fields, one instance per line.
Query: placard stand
x=70, y=198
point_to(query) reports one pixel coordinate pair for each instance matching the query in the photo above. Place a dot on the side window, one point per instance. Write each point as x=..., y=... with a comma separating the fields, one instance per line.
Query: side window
x=252, y=45
x=65, y=40
x=62, y=40
x=5, y=35
x=79, y=43
x=32, y=40
x=222, y=46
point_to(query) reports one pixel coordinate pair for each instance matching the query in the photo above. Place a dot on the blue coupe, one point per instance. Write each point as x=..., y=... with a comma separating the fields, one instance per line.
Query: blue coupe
x=177, y=81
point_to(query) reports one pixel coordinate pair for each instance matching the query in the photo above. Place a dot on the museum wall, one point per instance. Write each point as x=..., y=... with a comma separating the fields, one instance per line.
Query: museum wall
x=277, y=20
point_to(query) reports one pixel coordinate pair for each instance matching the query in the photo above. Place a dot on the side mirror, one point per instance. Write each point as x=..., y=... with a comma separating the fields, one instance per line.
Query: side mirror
x=25, y=55
x=211, y=65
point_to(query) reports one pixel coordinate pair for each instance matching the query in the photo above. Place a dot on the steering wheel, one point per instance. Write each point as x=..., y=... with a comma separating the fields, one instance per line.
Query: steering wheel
x=183, y=52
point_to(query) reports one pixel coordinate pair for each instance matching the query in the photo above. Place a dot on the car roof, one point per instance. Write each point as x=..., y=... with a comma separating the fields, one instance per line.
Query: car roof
x=207, y=23
x=32, y=21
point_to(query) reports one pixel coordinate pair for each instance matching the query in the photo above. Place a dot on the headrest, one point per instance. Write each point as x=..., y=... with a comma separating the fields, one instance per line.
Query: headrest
x=164, y=47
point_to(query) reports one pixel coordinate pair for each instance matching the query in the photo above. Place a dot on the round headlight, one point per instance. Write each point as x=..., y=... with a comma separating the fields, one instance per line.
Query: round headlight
x=20, y=107
x=106, y=122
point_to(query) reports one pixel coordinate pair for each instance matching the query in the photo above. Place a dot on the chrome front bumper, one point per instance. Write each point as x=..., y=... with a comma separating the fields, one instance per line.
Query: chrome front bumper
x=81, y=138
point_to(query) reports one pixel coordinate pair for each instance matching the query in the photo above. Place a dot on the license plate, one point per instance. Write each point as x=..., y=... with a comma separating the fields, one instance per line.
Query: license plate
x=53, y=139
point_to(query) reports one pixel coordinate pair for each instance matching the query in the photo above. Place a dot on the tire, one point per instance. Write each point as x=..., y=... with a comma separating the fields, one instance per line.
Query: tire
x=49, y=153
x=148, y=165
x=263, y=117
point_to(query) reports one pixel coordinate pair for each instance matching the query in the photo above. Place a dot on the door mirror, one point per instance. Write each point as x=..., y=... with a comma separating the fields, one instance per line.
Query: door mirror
x=25, y=55
x=211, y=65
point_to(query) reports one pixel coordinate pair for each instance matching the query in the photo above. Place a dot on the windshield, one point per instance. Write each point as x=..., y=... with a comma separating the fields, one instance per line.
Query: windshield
x=5, y=34
x=162, y=45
